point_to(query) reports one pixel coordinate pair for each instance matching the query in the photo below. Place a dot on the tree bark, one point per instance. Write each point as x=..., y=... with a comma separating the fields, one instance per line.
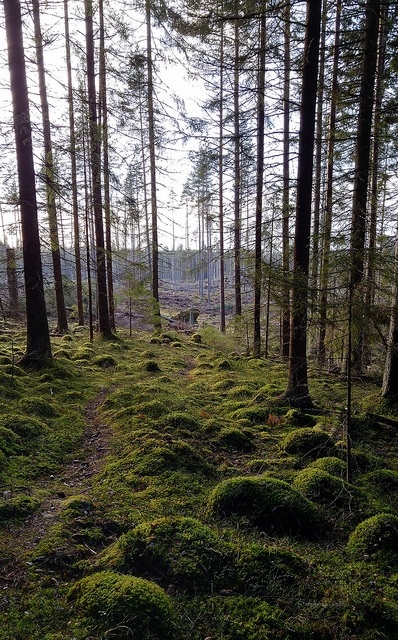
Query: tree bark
x=49, y=176
x=237, y=179
x=152, y=156
x=297, y=391
x=72, y=144
x=361, y=180
x=104, y=325
x=105, y=166
x=259, y=190
x=285, y=338
x=38, y=348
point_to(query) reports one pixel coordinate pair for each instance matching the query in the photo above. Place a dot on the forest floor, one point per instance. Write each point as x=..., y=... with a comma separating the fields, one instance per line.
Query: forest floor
x=130, y=469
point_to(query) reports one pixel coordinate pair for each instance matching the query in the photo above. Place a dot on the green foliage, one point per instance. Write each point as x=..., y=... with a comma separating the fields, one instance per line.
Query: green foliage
x=270, y=504
x=331, y=464
x=312, y=443
x=176, y=551
x=132, y=607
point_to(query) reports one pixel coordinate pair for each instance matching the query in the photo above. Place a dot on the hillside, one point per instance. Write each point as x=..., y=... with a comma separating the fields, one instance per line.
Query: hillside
x=158, y=488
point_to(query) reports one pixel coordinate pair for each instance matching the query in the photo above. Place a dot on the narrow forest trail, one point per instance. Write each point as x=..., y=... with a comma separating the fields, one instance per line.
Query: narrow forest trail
x=17, y=542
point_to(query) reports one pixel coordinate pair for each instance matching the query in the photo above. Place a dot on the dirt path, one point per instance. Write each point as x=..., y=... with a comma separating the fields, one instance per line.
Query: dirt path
x=75, y=478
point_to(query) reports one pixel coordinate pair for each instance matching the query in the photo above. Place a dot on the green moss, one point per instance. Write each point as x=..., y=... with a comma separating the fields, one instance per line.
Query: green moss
x=156, y=458
x=137, y=608
x=181, y=420
x=17, y=508
x=175, y=550
x=10, y=442
x=312, y=443
x=255, y=415
x=25, y=426
x=381, y=485
x=271, y=504
x=376, y=535
x=151, y=366
x=104, y=360
x=298, y=418
x=331, y=464
x=237, y=439
x=324, y=488
x=268, y=571
x=38, y=406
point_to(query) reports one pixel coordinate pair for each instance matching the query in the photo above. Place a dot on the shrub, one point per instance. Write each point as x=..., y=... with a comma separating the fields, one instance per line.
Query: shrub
x=139, y=609
x=378, y=534
x=174, y=550
x=272, y=505
x=313, y=443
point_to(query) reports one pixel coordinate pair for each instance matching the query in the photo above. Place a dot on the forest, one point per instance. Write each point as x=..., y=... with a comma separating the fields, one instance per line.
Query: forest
x=199, y=320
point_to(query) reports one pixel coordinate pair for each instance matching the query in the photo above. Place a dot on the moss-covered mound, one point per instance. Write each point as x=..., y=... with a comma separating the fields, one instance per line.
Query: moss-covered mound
x=376, y=535
x=154, y=459
x=123, y=607
x=268, y=571
x=331, y=464
x=25, y=426
x=312, y=443
x=235, y=438
x=324, y=488
x=172, y=551
x=272, y=505
x=381, y=485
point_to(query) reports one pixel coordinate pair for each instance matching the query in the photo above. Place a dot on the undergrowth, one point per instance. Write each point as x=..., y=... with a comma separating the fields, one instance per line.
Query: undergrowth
x=218, y=512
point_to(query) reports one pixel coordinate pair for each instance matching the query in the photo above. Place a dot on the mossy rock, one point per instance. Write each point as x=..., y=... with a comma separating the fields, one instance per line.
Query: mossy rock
x=325, y=488
x=77, y=506
x=26, y=426
x=298, y=418
x=331, y=464
x=155, y=340
x=38, y=407
x=196, y=338
x=377, y=535
x=272, y=505
x=17, y=508
x=137, y=608
x=236, y=439
x=62, y=353
x=224, y=365
x=266, y=571
x=309, y=442
x=176, y=551
x=84, y=353
x=104, y=360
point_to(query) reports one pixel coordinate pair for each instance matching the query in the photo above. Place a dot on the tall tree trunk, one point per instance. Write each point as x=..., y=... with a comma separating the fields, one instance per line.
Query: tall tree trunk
x=38, y=348
x=328, y=215
x=49, y=176
x=221, y=180
x=318, y=163
x=104, y=325
x=297, y=391
x=105, y=165
x=237, y=178
x=259, y=190
x=285, y=341
x=374, y=188
x=72, y=144
x=361, y=180
x=152, y=156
